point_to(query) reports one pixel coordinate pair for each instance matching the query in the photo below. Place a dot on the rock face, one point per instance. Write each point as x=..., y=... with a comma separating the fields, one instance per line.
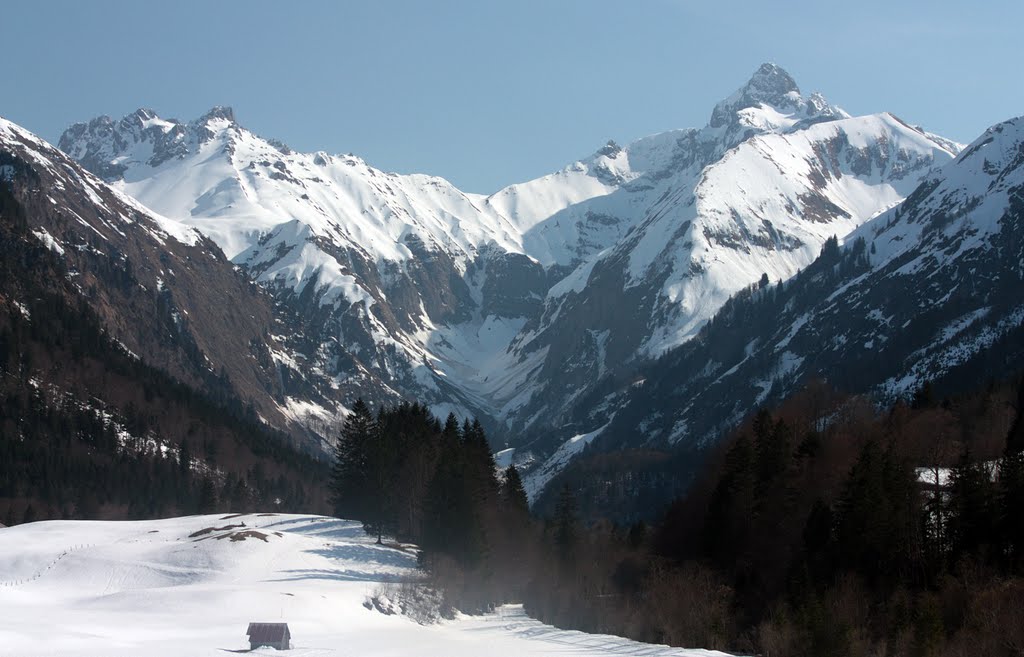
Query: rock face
x=366, y=263
x=163, y=290
x=762, y=209
x=520, y=305
x=929, y=291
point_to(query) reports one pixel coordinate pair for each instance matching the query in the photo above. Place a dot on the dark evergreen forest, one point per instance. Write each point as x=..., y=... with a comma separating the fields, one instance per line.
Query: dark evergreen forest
x=824, y=526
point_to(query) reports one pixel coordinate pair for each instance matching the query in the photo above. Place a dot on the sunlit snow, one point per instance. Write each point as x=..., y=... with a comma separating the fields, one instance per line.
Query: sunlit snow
x=169, y=588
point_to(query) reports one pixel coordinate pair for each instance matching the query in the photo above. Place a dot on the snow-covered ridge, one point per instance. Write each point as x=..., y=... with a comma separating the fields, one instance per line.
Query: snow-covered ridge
x=824, y=180
x=16, y=139
x=160, y=287
x=237, y=186
x=972, y=193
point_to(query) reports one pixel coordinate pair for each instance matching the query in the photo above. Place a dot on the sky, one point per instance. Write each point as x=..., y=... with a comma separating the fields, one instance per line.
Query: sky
x=490, y=92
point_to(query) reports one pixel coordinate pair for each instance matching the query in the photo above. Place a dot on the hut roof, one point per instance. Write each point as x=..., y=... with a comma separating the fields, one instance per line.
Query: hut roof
x=268, y=632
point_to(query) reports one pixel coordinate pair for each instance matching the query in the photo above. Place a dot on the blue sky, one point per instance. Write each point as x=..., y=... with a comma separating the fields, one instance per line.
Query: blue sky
x=486, y=93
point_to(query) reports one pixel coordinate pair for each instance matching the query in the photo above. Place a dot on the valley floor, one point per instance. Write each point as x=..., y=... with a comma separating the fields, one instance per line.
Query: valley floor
x=190, y=586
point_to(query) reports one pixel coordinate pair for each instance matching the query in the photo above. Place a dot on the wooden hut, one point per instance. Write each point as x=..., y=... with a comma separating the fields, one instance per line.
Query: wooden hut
x=274, y=635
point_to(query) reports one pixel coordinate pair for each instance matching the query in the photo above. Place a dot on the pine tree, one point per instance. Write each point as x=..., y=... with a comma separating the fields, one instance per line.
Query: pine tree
x=924, y=397
x=1011, y=489
x=480, y=461
x=207, y=496
x=970, y=512
x=731, y=511
x=863, y=499
x=380, y=513
x=415, y=435
x=878, y=523
x=772, y=448
x=184, y=458
x=565, y=523
x=349, y=479
x=513, y=493
x=451, y=431
x=449, y=511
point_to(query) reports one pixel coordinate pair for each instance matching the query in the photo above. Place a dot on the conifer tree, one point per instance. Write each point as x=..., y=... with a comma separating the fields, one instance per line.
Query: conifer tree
x=207, y=496
x=970, y=512
x=513, y=493
x=463, y=493
x=859, y=526
x=772, y=447
x=482, y=468
x=449, y=508
x=878, y=521
x=349, y=480
x=732, y=505
x=184, y=458
x=380, y=512
x=1011, y=488
x=565, y=523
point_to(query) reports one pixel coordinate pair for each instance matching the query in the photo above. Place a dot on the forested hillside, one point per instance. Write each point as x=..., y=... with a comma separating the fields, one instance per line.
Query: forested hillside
x=88, y=430
x=822, y=527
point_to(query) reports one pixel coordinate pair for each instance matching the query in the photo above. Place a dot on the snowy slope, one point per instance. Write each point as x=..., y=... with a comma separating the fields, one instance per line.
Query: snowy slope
x=156, y=588
x=236, y=186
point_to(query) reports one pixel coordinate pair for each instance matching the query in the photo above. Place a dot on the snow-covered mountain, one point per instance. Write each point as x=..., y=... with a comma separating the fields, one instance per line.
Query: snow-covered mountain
x=518, y=305
x=161, y=289
x=372, y=262
x=929, y=291
x=700, y=215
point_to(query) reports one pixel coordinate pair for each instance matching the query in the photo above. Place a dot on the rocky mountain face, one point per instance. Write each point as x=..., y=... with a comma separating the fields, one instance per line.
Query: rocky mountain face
x=927, y=292
x=370, y=263
x=524, y=306
x=162, y=290
x=762, y=210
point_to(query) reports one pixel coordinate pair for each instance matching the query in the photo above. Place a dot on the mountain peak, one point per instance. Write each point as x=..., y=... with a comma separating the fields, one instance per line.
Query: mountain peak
x=144, y=114
x=610, y=149
x=770, y=85
x=771, y=101
x=772, y=80
x=218, y=112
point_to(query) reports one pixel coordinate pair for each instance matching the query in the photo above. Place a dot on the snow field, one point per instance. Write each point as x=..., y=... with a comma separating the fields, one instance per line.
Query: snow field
x=166, y=587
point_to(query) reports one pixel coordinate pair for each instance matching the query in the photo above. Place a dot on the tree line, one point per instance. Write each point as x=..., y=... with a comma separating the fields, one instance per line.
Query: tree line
x=822, y=526
x=405, y=474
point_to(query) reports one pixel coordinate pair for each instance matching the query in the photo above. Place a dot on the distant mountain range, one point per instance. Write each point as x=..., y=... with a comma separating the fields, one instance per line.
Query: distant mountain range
x=569, y=310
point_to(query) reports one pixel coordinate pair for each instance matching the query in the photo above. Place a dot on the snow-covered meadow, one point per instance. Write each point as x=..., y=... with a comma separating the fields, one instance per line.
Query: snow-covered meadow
x=166, y=587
